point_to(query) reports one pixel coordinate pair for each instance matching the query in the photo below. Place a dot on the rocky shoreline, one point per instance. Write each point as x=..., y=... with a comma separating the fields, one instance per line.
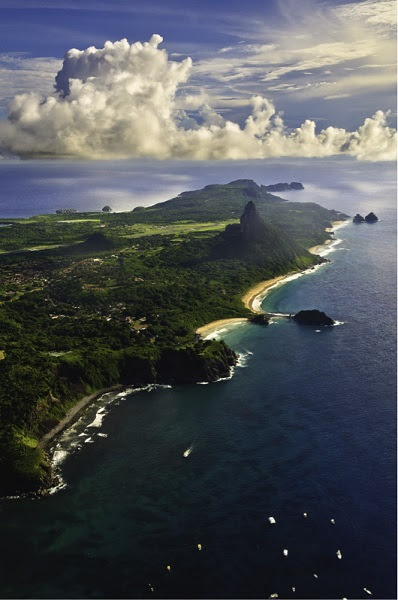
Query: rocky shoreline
x=178, y=366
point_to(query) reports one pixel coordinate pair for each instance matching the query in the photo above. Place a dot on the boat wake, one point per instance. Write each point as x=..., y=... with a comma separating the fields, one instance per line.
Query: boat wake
x=187, y=452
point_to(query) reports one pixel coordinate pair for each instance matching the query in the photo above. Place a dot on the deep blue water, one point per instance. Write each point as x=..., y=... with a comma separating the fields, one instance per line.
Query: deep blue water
x=308, y=425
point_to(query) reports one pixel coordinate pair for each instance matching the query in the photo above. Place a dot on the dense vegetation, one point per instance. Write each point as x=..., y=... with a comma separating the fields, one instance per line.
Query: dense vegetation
x=116, y=297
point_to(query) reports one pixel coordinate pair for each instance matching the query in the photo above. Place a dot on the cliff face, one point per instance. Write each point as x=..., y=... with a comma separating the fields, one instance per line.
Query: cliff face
x=252, y=227
x=25, y=468
x=208, y=361
x=204, y=361
x=255, y=241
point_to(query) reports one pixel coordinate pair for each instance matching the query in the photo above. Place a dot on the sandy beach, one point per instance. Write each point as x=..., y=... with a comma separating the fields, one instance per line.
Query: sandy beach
x=335, y=225
x=255, y=295
x=318, y=249
x=210, y=328
x=251, y=299
x=73, y=412
x=259, y=292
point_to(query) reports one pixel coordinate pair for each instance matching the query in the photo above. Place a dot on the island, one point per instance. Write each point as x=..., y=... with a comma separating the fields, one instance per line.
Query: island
x=358, y=219
x=313, y=317
x=104, y=299
x=371, y=218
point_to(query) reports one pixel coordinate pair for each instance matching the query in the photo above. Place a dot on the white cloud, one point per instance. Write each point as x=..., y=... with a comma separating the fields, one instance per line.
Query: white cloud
x=122, y=100
x=382, y=13
x=311, y=37
x=20, y=73
x=336, y=96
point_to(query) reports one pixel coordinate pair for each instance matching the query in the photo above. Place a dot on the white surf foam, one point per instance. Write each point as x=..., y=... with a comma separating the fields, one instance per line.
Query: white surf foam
x=243, y=359
x=61, y=485
x=231, y=374
x=217, y=333
x=257, y=302
x=99, y=417
x=72, y=440
x=59, y=456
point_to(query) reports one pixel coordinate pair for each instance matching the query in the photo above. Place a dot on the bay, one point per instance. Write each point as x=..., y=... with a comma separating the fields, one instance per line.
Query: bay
x=307, y=424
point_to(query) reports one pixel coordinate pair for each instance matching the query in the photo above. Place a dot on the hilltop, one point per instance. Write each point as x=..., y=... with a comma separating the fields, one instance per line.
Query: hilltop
x=108, y=298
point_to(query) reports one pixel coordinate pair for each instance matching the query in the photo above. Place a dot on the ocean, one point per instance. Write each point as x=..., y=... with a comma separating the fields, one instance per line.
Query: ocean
x=306, y=425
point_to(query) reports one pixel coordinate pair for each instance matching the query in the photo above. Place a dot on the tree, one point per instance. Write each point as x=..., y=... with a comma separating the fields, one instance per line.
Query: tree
x=107, y=209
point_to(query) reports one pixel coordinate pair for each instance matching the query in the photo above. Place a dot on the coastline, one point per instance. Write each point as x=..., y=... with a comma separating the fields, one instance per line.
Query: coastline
x=74, y=412
x=254, y=296
x=252, y=300
x=210, y=328
x=319, y=247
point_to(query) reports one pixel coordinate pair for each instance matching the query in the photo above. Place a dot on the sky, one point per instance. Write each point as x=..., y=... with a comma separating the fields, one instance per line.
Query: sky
x=211, y=79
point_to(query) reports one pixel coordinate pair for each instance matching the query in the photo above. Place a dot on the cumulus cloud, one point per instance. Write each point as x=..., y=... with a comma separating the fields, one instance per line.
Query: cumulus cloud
x=123, y=101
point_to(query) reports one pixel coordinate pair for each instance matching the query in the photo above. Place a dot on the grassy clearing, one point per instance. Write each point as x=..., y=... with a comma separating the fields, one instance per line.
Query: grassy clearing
x=80, y=221
x=179, y=228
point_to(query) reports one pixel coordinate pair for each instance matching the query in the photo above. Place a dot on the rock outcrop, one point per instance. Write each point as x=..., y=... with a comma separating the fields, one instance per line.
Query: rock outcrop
x=206, y=361
x=313, y=317
x=252, y=226
x=371, y=218
x=358, y=219
x=96, y=241
x=282, y=187
x=255, y=240
x=259, y=319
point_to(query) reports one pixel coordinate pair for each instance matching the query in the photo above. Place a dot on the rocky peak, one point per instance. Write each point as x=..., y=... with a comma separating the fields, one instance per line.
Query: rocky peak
x=251, y=224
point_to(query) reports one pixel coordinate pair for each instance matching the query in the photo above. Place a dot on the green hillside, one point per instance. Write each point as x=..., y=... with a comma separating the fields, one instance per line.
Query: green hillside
x=107, y=298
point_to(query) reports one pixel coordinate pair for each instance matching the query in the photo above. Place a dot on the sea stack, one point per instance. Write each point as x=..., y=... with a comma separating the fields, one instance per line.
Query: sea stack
x=313, y=317
x=371, y=218
x=358, y=219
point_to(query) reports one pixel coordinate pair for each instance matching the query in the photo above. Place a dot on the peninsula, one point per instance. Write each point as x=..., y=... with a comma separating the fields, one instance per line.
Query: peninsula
x=104, y=299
